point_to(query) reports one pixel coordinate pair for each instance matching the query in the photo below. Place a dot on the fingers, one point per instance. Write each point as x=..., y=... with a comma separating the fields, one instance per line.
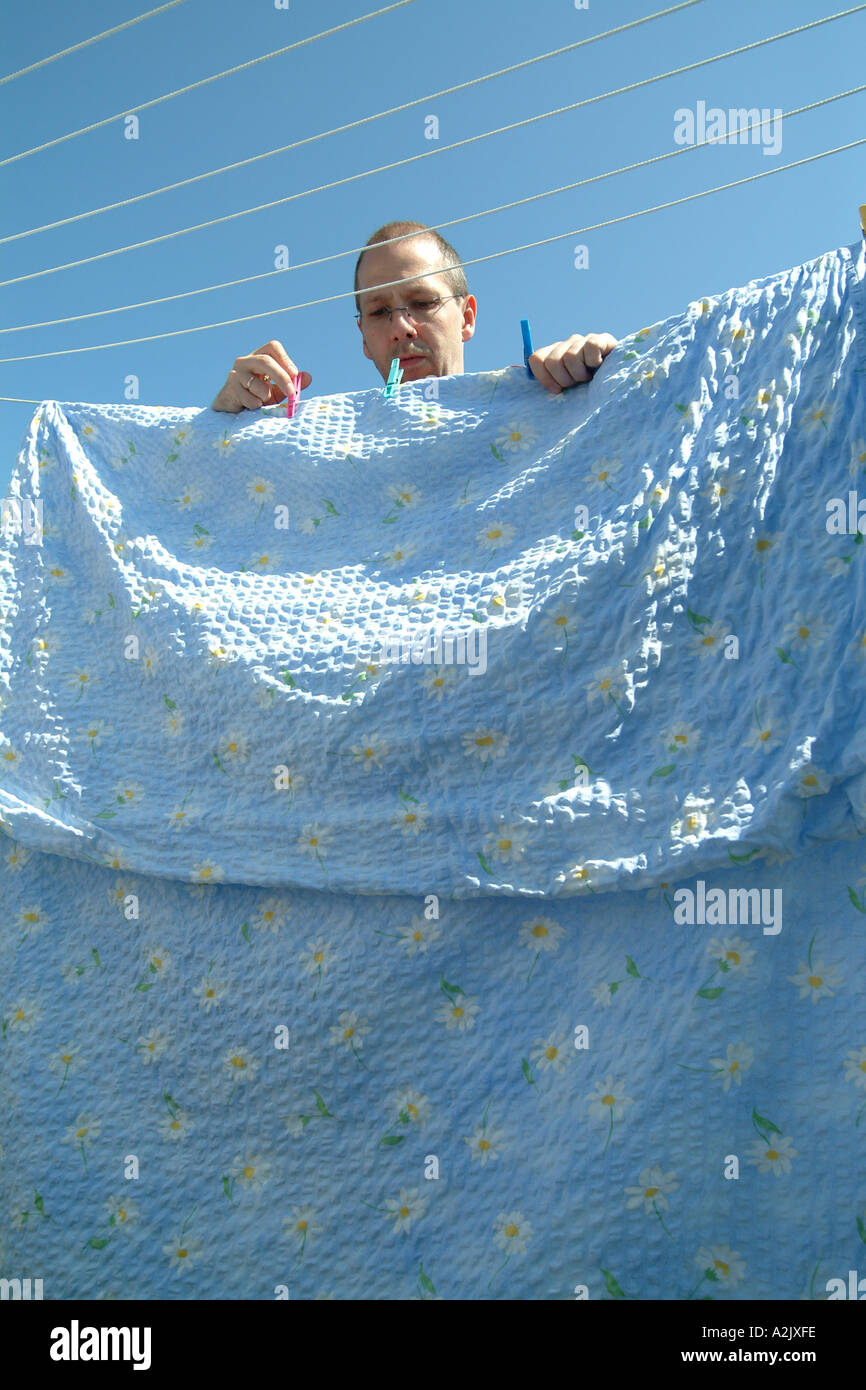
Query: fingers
x=263, y=377
x=574, y=360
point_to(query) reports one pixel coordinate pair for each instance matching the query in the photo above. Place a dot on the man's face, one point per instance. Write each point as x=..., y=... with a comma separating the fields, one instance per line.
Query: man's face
x=434, y=348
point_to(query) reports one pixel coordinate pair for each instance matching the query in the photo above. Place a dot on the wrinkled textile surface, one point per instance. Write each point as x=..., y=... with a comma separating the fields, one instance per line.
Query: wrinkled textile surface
x=327, y=973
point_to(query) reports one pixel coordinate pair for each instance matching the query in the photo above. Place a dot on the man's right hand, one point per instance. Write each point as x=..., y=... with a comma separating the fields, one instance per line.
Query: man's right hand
x=246, y=387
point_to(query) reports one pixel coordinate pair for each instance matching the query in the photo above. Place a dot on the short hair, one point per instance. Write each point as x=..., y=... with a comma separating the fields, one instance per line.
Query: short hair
x=455, y=278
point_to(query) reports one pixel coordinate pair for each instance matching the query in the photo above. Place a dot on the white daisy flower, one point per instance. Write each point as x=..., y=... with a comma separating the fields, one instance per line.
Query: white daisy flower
x=819, y=981
x=541, y=934
x=725, y=1263
x=653, y=1189
x=485, y=744
x=350, y=1030
x=495, y=534
x=506, y=844
x=774, y=1157
x=459, y=1014
x=738, y=1059
x=512, y=1232
x=553, y=1053
x=407, y=1208
x=486, y=1143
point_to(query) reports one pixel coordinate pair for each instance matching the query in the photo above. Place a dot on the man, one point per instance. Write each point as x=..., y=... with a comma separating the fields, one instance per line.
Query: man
x=424, y=321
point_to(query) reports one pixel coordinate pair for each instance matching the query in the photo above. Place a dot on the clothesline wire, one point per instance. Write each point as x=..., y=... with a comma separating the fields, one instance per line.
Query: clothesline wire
x=203, y=82
x=85, y=43
x=353, y=125
x=410, y=159
x=439, y=226
x=477, y=260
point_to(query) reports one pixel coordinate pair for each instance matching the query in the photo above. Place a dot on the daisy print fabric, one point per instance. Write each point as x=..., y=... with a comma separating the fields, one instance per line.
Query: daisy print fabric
x=431, y=857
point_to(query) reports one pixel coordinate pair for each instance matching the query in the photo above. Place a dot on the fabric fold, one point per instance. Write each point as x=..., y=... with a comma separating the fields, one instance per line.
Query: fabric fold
x=477, y=638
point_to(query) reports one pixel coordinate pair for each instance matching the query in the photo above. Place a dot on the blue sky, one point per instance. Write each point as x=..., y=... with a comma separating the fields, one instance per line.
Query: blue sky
x=639, y=271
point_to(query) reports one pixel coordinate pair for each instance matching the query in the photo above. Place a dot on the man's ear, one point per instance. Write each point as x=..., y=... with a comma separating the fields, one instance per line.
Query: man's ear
x=470, y=309
x=367, y=352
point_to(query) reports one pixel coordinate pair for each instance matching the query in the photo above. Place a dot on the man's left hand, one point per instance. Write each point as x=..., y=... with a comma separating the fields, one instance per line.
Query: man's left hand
x=565, y=364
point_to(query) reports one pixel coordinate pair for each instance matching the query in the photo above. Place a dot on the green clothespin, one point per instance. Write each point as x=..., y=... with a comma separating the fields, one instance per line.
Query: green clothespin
x=395, y=376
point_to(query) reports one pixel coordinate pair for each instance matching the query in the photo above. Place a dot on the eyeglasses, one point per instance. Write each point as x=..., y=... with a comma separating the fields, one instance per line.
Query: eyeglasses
x=420, y=310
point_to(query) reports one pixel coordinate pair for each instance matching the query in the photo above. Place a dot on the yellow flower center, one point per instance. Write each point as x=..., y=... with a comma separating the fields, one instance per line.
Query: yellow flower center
x=484, y=1144
x=735, y=1066
x=608, y=1099
x=495, y=534
x=708, y=641
x=319, y=957
x=511, y=1230
x=80, y=1133
x=457, y=1012
x=237, y=1062
x=301, y=1226
x=231, y=748
x=268, y=915
x=539, y=930
x=650, y=1192
x=19, y=1014
x=439, y=680
x=561, y=621
x=249, y=1172
x=816, y=981
x=157, y=962
x=349, y=1033
x=413, y=1110
x=810, y=780
x=368, y=752
x=66, y=1057
x=410, y=817
x=503, y=844
x=603, y=475
x=417, y=935
x=209, y=993
x=733, y=957
x=31, y=916
x=772, y=1154
x=484, y=742
x=722, y=1267
x=764, y=735
x=763, y=544
x=175, y=1124
x=681, y=738
x=404, y=1212
x=551, y=1053
x=803, y=632
x=314, y=840
x=605, y=684
x=121, y=1215
x=182, y=1254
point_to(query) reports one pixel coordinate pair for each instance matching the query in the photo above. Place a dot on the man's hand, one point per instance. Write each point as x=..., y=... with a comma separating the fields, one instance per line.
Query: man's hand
x=565, y=364
x=263, y=378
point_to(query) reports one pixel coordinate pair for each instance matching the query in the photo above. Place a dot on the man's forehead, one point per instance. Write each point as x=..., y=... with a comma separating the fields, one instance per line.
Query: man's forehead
x=380, y=265
x=433, y=281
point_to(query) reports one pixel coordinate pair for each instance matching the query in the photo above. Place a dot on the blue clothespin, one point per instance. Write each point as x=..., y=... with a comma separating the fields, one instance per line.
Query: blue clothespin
x=527, y=345
x=395, y=376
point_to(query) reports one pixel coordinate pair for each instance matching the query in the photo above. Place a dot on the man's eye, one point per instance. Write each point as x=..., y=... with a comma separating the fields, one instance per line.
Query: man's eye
x=378, y=313
x=424, y=303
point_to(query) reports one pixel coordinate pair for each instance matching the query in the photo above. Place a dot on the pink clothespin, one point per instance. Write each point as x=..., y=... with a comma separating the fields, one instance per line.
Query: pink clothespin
x=292, y=403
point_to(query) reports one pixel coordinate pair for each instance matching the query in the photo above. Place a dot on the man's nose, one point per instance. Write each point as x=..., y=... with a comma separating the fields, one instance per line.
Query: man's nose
x=401, y=325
